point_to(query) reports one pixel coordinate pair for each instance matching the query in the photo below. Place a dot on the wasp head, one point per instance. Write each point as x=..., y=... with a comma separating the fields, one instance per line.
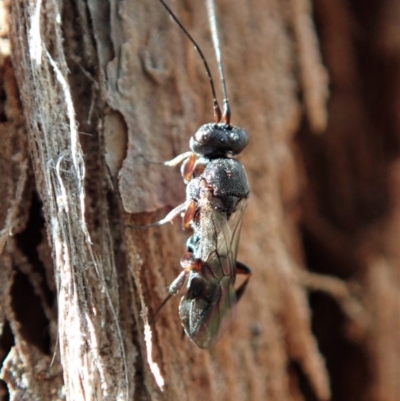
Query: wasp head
x=218, y=140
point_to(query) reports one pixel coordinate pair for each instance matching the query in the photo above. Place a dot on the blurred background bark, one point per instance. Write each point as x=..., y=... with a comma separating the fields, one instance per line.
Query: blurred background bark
x=91, y=92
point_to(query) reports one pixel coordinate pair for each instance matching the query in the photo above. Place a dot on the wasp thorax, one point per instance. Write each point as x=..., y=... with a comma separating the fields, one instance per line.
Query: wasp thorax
x=216, y=140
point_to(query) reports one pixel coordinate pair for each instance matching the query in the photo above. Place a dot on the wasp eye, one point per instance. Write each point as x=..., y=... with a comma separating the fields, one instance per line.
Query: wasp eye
x=201, y=137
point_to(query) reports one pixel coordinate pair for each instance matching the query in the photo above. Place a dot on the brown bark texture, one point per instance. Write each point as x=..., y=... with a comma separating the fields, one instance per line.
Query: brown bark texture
x=94, y=95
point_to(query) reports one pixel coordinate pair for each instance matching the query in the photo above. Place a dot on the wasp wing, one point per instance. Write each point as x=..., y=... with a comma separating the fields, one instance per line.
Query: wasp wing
x=209, y=305
x=219, y=238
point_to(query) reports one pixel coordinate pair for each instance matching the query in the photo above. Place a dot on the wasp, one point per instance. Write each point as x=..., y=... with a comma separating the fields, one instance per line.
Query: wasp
x=216, y=194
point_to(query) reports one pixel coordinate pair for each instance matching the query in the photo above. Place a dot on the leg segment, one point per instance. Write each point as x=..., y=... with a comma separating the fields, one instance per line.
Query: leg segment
x=242, y=269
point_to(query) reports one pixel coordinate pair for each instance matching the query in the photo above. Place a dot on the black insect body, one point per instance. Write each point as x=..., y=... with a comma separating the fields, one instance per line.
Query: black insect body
x=210, y=162
x=209, y=305
x=216, y=196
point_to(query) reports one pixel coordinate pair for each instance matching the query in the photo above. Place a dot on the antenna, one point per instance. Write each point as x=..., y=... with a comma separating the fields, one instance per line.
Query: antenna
x=226, y=117
x=217, y=109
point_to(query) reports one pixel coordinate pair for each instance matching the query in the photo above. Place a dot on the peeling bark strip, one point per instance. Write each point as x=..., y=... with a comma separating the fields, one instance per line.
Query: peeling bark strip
x=104, y=83
x=91, y=357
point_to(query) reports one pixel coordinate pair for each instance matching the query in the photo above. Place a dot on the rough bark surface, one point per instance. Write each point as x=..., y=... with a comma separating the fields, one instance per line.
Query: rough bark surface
x=95, y=91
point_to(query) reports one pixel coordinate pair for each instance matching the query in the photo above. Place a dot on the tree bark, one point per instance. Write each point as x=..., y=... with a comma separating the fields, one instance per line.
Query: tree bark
x=96, y=93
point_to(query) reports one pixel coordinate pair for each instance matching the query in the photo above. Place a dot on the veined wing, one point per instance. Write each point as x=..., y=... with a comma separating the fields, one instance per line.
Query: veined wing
x=219, y=238
x=208, y=307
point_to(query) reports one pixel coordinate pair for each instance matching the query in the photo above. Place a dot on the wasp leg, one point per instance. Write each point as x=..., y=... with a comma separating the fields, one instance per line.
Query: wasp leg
x=188, y=160
x=189, y=214
x=178, y=159
x=241, y=268
x=188, y=263
x=168, y=218
x=188, y=167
